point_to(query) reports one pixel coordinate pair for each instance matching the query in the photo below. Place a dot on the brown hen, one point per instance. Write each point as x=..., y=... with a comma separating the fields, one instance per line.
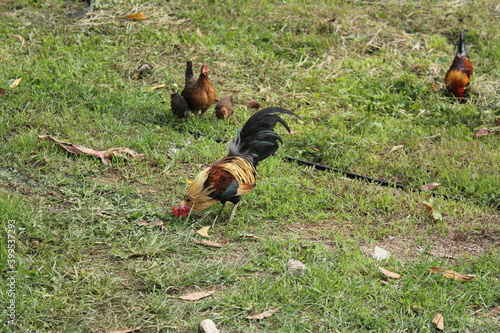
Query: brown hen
x=224, y=108
x=198, y=93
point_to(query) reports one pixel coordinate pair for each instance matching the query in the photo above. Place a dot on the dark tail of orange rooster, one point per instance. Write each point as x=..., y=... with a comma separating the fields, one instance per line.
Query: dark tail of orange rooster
x=257, y=140
x=461, y=50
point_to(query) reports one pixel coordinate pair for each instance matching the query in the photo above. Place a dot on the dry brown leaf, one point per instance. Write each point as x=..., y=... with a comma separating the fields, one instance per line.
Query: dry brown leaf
x=3, y=92
x=137, y=16
x=145, y=67
x=494, y=313
x=23, y=42
x=396, y=148
x=128, y=330
x=430, y=186
x=389, y=274
x=206, y=243
x=142, y=69
x=496, y=121
x=197, y=295
x=156, y=223
x=253, y=105
x=104, y=155
x=438, y=320
x=249, y=236
x=481, y=132
x=198, y=32
x=15, y=83
x=451, y=274
x=203, y=232
x=158, y=86
x=141, y=222
x=263, y=315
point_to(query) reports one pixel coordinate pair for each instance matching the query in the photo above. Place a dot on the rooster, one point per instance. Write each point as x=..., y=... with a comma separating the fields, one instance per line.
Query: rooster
x=458, y=76
x=234, y=175
x=198, y=93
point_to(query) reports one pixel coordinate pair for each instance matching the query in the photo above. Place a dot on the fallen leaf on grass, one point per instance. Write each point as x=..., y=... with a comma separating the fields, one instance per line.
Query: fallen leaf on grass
x=253, y=105
x=438, y=320
x=3, y=92
x=23, y=42
x=430, y=186
x=157, y=223
x=157, y=87
x=481, y=132
x=389, y=274
x=198, y=32
x=494, y=313
x=197, y=295
x=206, y=243
x=451, y=274
x=15, y=83
x=128, y=330
x=203, y=232
x=249, y=236
x=137, y=16
x=432, y=209
x=381, y=253
x=142, y=69
x=141, y=222
x=104, y=155
x=263, y=315
x=396, y=148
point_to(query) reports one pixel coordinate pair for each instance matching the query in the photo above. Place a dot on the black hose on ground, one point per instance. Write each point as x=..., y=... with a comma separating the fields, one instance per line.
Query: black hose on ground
x=347, y=174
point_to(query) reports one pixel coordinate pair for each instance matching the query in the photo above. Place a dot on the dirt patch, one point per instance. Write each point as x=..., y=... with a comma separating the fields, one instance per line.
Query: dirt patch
x=109, y=180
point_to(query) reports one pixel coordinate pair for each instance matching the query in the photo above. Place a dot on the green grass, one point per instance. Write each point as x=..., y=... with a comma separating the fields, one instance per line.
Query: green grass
x=363, y=76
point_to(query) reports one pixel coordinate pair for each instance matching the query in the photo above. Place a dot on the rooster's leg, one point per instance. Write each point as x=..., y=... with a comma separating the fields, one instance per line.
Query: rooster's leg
x=220, y=212
x=233, y=211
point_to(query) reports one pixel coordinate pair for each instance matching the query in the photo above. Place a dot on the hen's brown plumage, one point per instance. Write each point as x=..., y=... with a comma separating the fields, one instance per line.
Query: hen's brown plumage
x=458, y=76
x=198, y=93
x=234, y=175
x=224, y=108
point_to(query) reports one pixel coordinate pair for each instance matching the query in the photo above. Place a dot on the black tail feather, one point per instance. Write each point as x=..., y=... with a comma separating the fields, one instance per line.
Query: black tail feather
x=189, y=69
x=461, y=50
x=257, y=140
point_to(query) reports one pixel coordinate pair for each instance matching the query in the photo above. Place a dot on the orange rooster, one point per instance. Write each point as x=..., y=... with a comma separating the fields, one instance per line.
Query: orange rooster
x=198, y=93
x=234, y=175
x=458, y=76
